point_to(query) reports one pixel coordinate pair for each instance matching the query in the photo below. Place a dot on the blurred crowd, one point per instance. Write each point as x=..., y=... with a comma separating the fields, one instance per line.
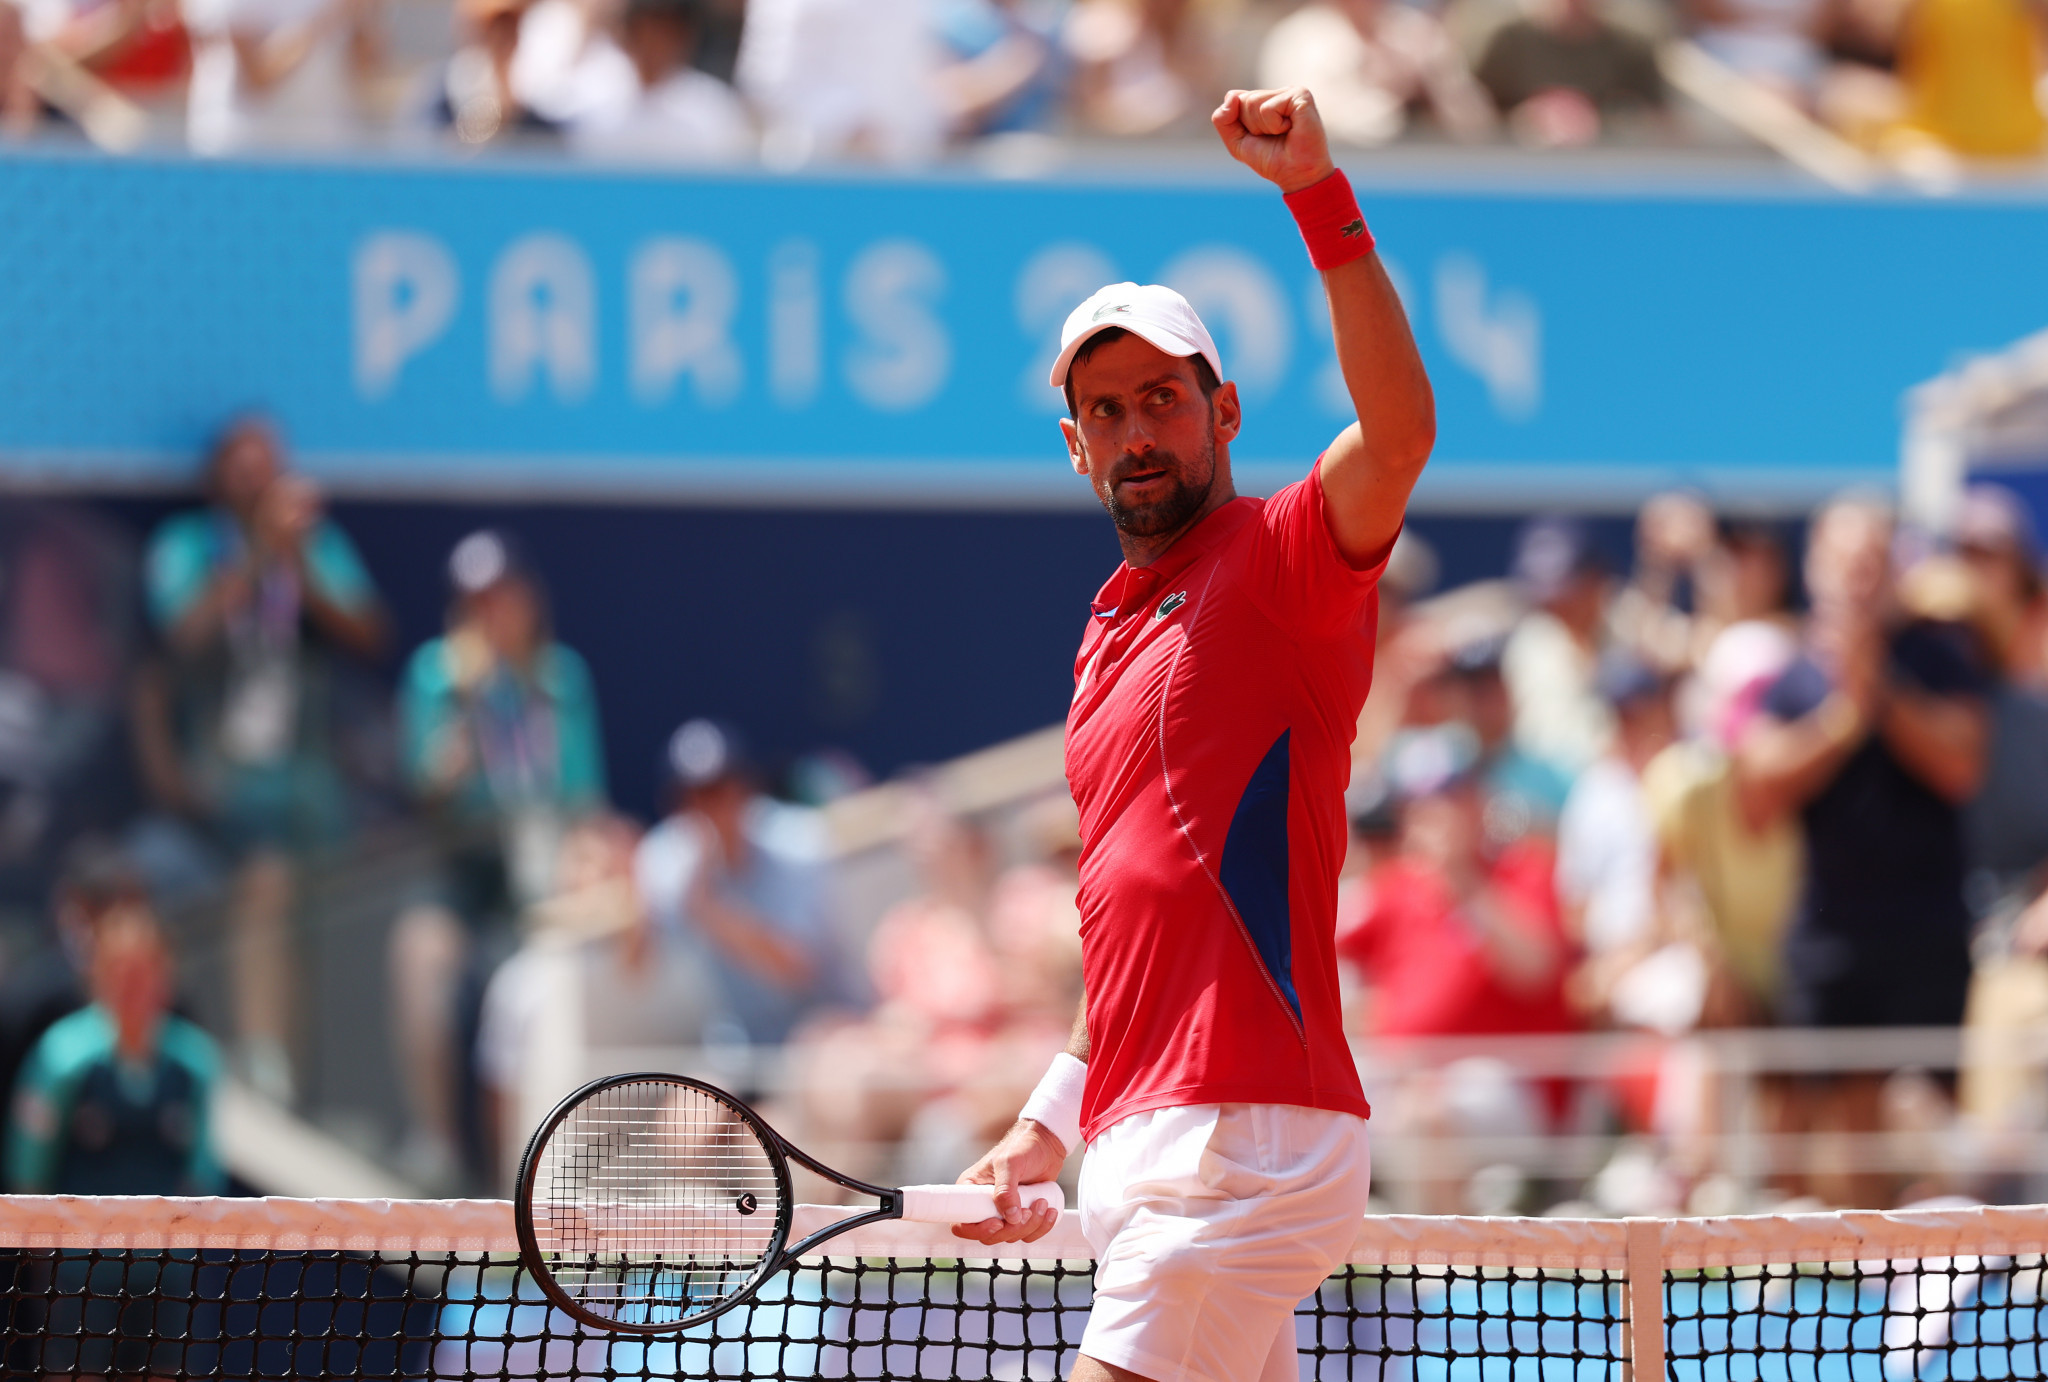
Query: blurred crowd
x=1649, y=797
x=899, y=82
x=248, y=671
x=1725, y=774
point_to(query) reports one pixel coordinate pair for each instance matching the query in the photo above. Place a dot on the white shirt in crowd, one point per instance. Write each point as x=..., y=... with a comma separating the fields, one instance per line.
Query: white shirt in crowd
x=1607, y=867
x=689, y=117
x=834, y=78
x=313, y=106
x=1363, y=87
x=564, y=69
x=1607, y=855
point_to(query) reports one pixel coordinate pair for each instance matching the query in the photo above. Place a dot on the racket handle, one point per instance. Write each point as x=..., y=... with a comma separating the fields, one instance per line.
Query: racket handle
x=970, y=1204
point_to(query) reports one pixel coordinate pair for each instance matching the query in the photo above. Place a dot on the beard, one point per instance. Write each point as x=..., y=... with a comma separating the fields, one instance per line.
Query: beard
x=1182, y=500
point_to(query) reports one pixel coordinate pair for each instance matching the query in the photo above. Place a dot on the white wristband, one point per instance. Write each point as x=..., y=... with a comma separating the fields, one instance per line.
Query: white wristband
x=1056, y=1103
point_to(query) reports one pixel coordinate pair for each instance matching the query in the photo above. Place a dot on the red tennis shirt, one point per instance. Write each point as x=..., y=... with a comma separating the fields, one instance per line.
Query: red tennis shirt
x=1208, y=747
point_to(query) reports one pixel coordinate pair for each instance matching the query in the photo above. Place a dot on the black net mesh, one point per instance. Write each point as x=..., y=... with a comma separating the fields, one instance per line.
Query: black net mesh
x=192, y=1313
x=217, y=1313
x=1948, y=1319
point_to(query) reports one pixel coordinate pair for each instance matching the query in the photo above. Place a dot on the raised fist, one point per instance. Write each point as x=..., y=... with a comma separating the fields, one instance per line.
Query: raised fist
x=1277, y=134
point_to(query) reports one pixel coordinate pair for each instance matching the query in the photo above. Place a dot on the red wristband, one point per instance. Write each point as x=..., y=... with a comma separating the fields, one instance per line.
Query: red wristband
x=1331, y=223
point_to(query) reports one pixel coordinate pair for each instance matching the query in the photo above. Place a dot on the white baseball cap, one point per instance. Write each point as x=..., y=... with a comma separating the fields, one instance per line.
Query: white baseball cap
x=1146, y=310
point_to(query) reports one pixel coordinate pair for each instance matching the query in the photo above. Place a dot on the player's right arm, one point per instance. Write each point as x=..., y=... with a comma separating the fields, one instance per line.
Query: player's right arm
x=1028, y=1154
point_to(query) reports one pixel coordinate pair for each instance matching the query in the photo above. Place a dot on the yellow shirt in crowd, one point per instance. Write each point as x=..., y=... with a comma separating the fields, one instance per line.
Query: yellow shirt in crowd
x=1971, y=68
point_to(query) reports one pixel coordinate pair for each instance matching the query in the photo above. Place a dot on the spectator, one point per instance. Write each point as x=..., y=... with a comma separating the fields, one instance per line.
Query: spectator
x=2008, y=820
x=1000, y=73
x=1657, y=614
x=474, y=94
x=293, y=72
x=841, y=79
x=1524, y=793
x=738, y=879
x=1740, y=874
x=1454, y=938
x=253, y=596
x=1550, y=658
x=499, y=735
x=114, y=1099
x=1636, y=973
x=1562, y=73
x=1141, y=64
x=1372, y=64
x=1745, y=578
x=2007, y=823
x=49, y=982
x=1972, y=71
x=673, y=112
x=1875, y=736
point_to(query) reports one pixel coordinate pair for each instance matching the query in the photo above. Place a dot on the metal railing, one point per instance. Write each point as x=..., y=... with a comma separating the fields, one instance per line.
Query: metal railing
x=1749, y=1083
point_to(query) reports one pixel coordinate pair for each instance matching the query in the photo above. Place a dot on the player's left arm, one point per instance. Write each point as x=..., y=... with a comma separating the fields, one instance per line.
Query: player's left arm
x=1372, y=466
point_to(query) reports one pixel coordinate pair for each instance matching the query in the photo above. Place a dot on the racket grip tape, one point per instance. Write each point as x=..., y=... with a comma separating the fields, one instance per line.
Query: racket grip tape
x=970, y=1204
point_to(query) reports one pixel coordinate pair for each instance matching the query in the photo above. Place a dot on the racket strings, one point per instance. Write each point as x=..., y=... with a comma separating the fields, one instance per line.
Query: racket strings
x=654, y=1202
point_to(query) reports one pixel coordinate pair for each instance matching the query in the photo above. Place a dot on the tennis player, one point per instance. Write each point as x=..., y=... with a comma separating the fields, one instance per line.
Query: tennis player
x=1208, y=747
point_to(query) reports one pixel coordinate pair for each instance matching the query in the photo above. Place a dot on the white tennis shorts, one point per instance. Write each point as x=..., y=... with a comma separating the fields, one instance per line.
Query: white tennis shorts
x=1209, y=1225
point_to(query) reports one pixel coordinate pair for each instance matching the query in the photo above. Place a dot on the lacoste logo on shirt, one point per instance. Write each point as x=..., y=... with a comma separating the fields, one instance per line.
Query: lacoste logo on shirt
x=1170, y=604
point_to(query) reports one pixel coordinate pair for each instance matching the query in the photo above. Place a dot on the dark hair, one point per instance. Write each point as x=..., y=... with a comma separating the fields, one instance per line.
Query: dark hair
x=1205, y=377
x=1753, y=533
x=687, y=13
x=98, y=874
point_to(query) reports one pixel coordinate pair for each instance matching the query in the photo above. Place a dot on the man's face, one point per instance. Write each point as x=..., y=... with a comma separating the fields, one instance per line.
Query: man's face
x=131, y=976
x=722, y=802
x=508, y=615
x=1443, y=831
x=1848, y=557
x=1145, y=436
x=244, y=468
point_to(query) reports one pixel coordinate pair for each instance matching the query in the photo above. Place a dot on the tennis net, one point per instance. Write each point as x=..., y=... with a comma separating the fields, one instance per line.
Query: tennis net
x=166, y=1288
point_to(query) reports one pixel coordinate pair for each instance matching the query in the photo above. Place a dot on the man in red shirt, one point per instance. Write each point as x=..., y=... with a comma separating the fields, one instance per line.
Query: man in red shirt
x=1208, y=746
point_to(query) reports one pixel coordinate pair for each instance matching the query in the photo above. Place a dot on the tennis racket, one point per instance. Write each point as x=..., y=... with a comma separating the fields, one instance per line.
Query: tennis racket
x=651, y=1203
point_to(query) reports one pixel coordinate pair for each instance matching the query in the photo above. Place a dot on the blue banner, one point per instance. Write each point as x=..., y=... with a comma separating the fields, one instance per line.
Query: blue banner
x=562, y=331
